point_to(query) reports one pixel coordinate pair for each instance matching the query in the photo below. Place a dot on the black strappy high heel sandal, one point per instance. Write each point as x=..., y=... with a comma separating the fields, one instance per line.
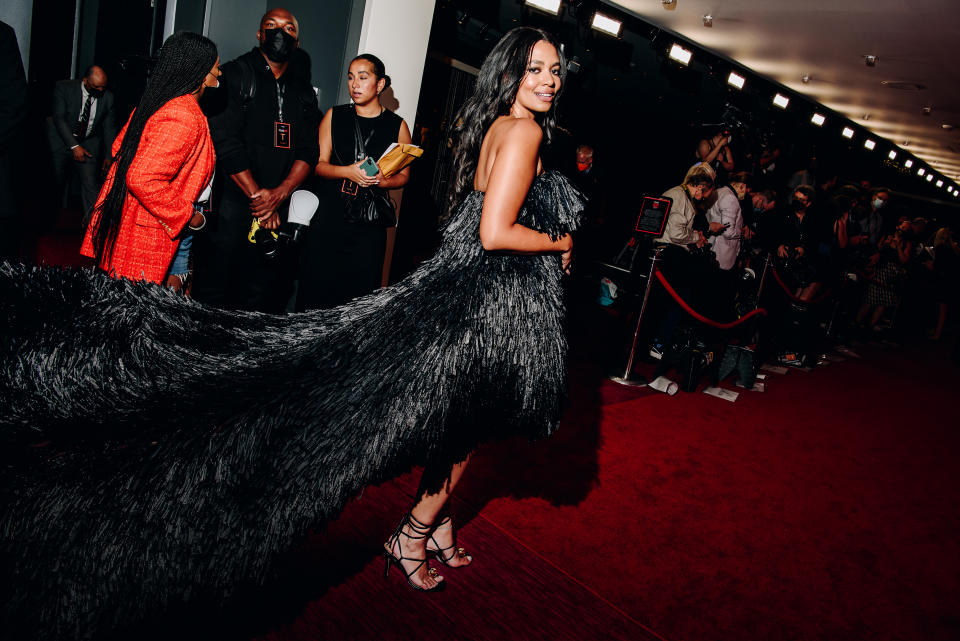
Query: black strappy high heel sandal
x=418, y=531
x=441, y=553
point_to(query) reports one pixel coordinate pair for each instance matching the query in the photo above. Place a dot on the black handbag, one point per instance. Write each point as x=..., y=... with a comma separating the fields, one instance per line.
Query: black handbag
x=366, y=205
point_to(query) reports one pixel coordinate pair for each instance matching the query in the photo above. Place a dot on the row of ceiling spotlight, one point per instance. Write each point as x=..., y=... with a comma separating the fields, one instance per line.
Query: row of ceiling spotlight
x=683, y=56
x=612, y=27
x=599, y=21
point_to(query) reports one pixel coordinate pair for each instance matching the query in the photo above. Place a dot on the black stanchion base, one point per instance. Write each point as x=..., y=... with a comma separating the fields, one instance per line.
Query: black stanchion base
x=634, y=380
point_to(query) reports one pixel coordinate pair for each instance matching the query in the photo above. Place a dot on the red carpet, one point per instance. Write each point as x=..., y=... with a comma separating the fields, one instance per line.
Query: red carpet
x=824, y=508
x=821, y=509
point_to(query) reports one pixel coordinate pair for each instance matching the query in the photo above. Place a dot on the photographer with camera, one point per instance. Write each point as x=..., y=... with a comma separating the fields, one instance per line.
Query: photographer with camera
x=798, y=244
x=681, y=258
x=725, y=218
x=715, y=151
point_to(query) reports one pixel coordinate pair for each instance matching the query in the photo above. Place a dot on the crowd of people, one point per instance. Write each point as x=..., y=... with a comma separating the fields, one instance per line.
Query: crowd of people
x=848, y=266
x=196, y=187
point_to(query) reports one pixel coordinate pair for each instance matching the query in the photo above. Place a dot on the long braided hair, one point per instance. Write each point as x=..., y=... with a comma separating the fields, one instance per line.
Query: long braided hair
x=493, y=96
x=184, y=61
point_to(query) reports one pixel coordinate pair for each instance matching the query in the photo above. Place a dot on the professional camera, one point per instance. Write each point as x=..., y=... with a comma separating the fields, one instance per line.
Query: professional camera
x=303, y=205
x=753, y=135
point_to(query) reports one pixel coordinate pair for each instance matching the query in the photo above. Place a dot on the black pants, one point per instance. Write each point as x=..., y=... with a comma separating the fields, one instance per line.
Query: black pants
x=229, y=271
x=11, y=225
x=87, y=171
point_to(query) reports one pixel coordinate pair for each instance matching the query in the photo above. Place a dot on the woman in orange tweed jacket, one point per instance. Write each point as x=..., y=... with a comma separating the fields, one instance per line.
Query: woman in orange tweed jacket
x=142, y=222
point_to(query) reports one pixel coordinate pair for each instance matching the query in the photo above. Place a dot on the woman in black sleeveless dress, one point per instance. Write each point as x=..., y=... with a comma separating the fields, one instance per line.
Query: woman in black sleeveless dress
x=341, y=259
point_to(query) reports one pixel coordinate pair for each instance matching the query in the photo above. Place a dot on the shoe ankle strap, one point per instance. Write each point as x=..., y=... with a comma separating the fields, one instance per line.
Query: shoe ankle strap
x=419, y=529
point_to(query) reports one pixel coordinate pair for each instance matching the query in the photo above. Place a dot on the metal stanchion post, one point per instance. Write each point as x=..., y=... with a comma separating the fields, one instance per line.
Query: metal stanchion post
x=627, y=378
x=763, y=277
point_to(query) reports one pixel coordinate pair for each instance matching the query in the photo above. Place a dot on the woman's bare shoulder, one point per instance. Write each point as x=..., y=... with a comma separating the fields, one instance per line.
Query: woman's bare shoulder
x=523, y=130
x=505, y=136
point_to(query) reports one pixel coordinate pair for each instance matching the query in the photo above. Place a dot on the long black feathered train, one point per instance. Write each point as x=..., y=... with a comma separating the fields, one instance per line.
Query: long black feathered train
x=155, y=448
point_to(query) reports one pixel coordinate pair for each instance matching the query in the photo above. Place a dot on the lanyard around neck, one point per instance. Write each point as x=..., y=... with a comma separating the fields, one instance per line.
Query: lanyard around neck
x=281, y=89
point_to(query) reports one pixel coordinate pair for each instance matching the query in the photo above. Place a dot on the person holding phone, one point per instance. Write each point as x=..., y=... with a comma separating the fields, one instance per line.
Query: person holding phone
x=342, y=259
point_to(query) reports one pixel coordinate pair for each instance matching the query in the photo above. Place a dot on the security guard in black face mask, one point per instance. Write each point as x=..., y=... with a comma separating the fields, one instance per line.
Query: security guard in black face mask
x=265, y=125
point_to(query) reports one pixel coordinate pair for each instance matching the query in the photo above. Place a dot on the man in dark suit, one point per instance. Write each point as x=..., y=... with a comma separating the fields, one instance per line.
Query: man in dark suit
x=81, y=131
x=13, y=111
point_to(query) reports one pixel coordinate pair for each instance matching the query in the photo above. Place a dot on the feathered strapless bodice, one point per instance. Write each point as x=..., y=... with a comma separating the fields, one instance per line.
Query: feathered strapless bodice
x=553, y=206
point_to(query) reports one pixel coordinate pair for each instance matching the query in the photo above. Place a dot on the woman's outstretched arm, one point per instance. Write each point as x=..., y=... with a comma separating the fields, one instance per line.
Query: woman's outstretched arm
x=513, y=171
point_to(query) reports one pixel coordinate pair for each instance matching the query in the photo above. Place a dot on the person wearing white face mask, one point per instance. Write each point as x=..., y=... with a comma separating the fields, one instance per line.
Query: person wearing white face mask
x=871, y=223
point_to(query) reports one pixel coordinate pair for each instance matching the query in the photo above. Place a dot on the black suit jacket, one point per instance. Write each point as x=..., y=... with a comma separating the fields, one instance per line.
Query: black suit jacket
x=13, y=112
x=67, y=105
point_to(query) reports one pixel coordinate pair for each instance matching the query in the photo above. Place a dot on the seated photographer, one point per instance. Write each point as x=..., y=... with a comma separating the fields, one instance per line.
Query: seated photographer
x=798, y=244
x=679, y=229
x=685, y=271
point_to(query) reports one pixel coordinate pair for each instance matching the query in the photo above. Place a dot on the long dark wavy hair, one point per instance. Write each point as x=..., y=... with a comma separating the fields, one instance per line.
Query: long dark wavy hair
x=493, y=96
x=184, y=61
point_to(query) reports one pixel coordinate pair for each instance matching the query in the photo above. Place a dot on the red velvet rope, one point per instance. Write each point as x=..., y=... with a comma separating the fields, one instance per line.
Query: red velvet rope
x=796, y=299
x=701, y=317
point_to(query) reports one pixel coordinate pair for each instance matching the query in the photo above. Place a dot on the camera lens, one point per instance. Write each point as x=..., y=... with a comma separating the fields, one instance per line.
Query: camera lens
x=267, y=243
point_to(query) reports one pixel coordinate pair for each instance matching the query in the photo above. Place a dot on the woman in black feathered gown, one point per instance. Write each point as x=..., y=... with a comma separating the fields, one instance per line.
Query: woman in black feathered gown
x=155, y=449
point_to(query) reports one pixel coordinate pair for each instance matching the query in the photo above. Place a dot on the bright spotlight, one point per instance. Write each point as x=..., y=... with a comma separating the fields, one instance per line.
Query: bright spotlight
x=869, y=144
x=921, y=171
x=939, y=183
x=892, y=155
x=908, y=163
x=606, y=24
x=550, y=6
x=847, y=132
x=681, y=55
x=781, y=101
x=818, y=119
x=929, y=177
x=736, y=80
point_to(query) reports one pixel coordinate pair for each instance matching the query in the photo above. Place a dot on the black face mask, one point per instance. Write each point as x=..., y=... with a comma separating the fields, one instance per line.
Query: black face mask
x=278, y=45
x=799, y=206
x=96, y=93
